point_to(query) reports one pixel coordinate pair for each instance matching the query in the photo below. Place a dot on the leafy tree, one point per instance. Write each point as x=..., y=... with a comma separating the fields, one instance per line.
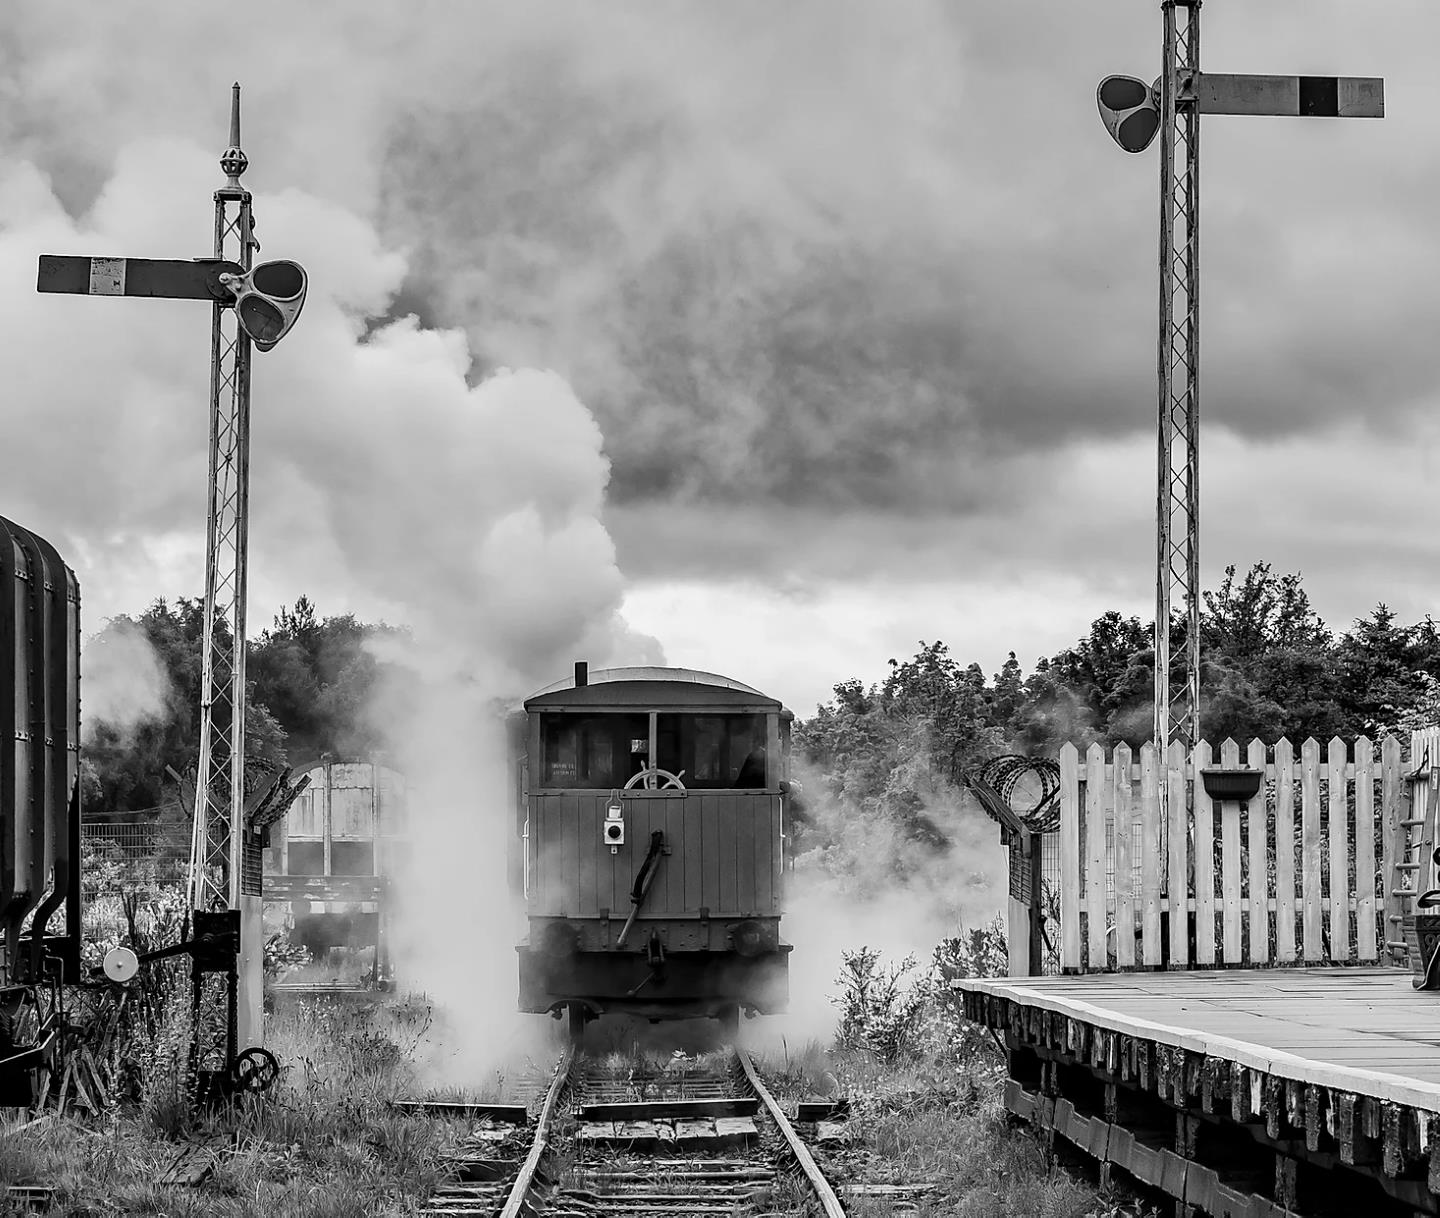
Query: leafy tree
x=1099, y=671
x=320, y=678
x=1381, y=666
x=127, y=765
x=894, y=754
x=1263, y=612
x=310, y=689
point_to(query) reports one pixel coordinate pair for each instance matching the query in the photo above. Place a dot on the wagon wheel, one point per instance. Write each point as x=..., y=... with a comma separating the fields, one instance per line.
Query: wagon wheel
x=254, y=1070
x=657, y=779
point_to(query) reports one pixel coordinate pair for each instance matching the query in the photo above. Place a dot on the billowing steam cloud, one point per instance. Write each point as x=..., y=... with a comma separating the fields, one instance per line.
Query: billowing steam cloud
x=874, y=885
x=125, y=682
x=470, y=512
x=874, y=270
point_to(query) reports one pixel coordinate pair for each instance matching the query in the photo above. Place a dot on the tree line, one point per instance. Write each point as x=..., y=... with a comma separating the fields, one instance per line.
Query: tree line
x=310, y=686
x=1270, y=667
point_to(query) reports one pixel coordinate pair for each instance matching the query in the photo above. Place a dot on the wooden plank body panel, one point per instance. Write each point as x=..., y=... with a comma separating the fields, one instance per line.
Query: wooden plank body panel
x=724, y=854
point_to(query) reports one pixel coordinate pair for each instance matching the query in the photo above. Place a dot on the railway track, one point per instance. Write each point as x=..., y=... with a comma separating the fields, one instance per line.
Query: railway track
x=692, y=1138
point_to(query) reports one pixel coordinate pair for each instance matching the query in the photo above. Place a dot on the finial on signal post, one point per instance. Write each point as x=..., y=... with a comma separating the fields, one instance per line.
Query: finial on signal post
x=233, y=160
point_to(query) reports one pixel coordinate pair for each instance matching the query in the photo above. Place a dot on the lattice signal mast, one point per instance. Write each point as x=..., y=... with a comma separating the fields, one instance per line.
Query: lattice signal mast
x=1177, y=534
x=1134, y=113
x=253, y=305
x=216, y=848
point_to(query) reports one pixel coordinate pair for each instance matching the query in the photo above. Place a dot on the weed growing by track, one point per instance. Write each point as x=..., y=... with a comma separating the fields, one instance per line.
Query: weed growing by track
x=924, y=1087
x=324, y=1143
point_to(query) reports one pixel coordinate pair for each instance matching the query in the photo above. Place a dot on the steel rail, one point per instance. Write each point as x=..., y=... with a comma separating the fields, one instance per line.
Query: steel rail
x=519, y=1190
x=829, y=1202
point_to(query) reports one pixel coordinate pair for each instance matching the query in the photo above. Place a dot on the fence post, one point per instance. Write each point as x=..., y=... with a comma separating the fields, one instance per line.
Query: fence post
x=1069, y=858
x=1022, y=930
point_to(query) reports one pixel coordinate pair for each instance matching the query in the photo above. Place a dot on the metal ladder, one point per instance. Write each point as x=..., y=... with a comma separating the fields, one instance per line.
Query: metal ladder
x=1413, y=853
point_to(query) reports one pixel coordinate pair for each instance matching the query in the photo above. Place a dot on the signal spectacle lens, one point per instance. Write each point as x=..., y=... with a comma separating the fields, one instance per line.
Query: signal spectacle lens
x=1121, y=94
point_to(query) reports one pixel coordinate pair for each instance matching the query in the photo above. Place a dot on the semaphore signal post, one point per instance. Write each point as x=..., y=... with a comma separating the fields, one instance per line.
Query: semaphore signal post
x=1133, y=113
x=252, y=305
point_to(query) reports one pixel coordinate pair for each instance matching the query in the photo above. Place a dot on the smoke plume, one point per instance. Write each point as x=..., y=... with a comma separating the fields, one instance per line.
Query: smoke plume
x=467, y=509
x=873, y=884
x=124, y=680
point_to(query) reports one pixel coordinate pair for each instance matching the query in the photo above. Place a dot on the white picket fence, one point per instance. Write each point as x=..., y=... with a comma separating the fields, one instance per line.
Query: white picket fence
x=1302, y=873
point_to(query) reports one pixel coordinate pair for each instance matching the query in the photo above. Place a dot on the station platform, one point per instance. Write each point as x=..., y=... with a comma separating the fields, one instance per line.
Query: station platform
x=1235, y=1091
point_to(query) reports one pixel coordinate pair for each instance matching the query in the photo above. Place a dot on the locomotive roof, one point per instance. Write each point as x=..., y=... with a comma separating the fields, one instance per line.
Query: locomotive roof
x=651, y=686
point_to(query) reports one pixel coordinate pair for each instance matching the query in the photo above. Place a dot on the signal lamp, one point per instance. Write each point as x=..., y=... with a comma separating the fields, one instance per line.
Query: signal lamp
x=1130, y=110
x=613, y=833
x=268, y=300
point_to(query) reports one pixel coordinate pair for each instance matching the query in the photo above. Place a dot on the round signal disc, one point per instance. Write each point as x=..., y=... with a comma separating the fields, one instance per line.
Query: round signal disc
x=120, y=964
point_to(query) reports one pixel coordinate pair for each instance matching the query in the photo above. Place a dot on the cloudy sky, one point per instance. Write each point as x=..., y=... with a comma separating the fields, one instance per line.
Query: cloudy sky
x=769, y=338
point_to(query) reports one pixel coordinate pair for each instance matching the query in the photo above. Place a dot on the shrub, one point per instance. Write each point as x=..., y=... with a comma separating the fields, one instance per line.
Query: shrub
x=880, y=1011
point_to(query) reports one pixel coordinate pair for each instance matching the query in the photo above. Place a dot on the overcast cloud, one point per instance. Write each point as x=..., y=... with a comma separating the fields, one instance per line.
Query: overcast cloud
x=853, y=306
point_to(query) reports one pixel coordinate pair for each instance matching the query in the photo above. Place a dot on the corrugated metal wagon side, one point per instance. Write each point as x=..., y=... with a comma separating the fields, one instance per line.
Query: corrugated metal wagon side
x=39, y=797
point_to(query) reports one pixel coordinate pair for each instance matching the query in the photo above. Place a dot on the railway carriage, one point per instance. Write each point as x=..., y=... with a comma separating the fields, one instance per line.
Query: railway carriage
x=651, y=846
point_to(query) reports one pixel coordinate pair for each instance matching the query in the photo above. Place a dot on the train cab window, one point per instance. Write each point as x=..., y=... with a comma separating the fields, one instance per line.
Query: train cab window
x=352, y=858
x=307, y=858
x=716, y=752
x=592, y=751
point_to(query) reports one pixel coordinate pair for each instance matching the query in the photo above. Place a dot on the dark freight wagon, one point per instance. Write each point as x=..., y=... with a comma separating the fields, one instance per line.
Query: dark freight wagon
x=651, y=834
x=39, y=801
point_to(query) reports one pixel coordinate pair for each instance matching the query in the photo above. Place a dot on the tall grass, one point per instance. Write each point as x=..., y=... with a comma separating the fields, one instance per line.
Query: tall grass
x=325, y=1141
x=924, y=1087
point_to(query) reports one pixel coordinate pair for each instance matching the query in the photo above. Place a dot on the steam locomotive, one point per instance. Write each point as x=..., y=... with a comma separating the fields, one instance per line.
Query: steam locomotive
x=650, y=844
x=39, y=802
